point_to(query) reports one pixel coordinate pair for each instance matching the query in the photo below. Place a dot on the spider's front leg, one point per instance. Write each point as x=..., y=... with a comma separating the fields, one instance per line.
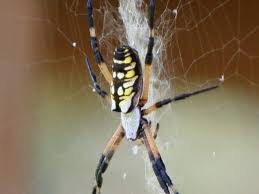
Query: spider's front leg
x=96, y=87
x=94, y=43
x=149, y=54
x=156, y=160
x=106, y=157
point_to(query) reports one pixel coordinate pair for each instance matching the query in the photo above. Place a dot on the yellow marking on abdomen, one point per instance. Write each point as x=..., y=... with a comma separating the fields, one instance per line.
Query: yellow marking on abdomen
x=129, y=82
x=128, y=91
x=128, y=60
x=130, y=74
x=126, y=102
x=125, y=61
x=131, y=66
x=124, y=97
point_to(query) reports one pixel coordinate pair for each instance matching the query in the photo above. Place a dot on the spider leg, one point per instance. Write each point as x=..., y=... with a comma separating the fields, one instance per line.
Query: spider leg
x=94, y=43
x=157, y=162
x=141, y=141
x=156, y=131
x=96, y=86
x=183, y=96
x=149, y=54
x=107, y=154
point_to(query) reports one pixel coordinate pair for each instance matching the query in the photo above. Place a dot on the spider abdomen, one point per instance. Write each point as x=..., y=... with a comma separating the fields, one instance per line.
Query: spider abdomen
x=127, y=84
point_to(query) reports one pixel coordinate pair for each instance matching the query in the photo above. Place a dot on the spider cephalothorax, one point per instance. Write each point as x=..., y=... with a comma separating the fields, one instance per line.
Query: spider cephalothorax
x=129, y=93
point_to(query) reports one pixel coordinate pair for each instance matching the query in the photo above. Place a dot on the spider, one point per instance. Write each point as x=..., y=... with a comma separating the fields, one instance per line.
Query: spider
x=129, y=94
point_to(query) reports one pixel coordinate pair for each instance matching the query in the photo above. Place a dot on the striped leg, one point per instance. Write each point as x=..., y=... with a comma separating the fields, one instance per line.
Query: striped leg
x=149, y=55
x=156, y=129
x=157, y=162
x=106, y=157
x=141, y=141
x=96, y=86
x=183, y=96
x=94, y=43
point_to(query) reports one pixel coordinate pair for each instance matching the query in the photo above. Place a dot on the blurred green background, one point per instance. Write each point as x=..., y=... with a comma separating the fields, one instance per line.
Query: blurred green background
x=53, y=127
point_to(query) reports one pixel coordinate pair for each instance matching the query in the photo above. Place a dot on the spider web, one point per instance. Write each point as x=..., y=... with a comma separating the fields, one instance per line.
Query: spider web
x=198, y=44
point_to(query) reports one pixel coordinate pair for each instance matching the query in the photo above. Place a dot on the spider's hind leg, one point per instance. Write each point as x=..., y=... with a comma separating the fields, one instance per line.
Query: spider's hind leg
x=157, y=162
x=141, y=140
x=156, y=130
x=106, y=157
x=179, y=97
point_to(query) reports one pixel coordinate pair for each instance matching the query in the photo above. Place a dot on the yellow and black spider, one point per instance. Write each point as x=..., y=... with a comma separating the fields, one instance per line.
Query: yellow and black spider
x=129, y=93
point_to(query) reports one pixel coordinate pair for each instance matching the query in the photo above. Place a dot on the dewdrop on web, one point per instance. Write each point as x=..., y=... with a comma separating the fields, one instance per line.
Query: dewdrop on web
x=175, y=12
x=124, y=175
x=135, y=149
x=222, y=78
